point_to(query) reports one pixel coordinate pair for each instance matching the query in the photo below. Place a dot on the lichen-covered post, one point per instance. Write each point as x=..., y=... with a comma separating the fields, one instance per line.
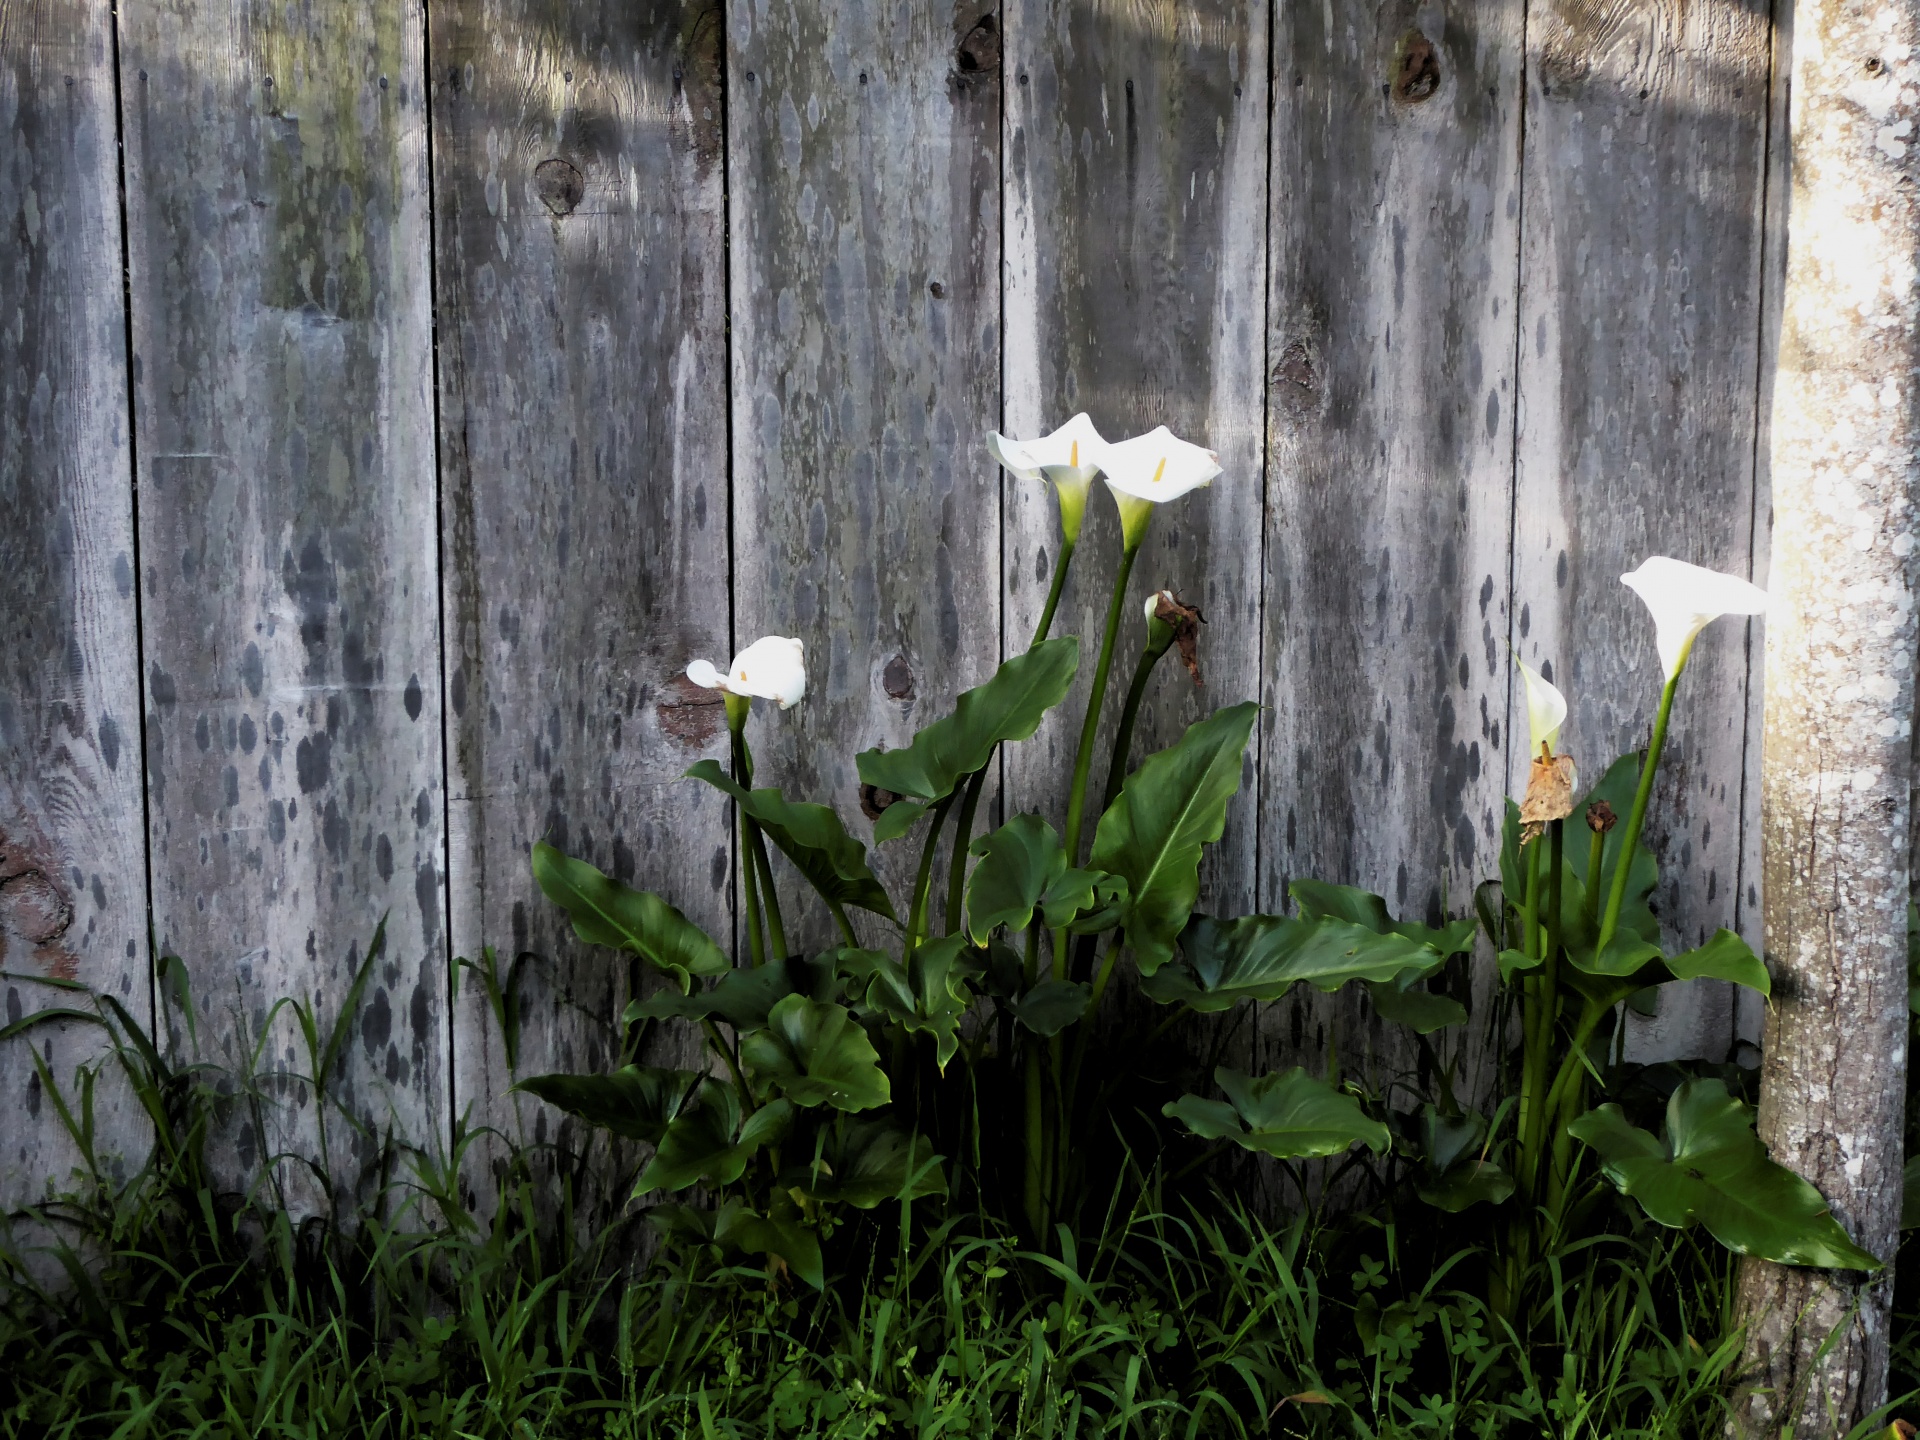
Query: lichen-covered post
x=1837, y=769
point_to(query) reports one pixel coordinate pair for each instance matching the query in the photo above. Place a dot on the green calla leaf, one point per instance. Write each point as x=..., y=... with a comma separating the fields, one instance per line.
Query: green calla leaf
x=635, y=1103
x=1414, y=1006
x=815, y=1054
x=605, y=912
x=742, y=998
x=1910, y=1195
x=1454, y=1171
x=1261, y=957
x=1174, y=804
x=1710, y=1167
x=786, y=1237
x=1913, y=958
x=868, y=1162
x=1288, y=1115
x=707, y=1141
x=812, y=837
x=1513, y=963
x=1023, y=868
x=1052, y=1005
x=1009, y=707
x=1316, y=899
x=928, y=994
x=1725, y=957
x=897, y=819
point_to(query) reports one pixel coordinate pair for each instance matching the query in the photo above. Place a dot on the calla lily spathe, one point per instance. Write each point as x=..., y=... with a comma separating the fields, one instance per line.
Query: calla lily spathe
x=1685, y=599
x=1546, y=709
x=774, y=667
x=1150, y=470
x=1069, y=457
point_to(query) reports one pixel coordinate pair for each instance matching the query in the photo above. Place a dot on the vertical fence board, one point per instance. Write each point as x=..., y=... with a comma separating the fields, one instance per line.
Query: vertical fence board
x=1390, y=405
x=277, y=219
x=72, y=858
x=582, y=292
x=864, y=187
x=1136, y=256
x=1640, y=319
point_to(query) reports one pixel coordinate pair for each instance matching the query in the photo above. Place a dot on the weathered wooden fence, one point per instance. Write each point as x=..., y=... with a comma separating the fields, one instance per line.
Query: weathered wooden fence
x=395, y=397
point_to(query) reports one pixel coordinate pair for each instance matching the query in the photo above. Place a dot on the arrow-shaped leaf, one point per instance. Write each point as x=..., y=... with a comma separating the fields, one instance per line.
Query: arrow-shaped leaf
x=1023, y=868
x=1261, y=957
x=812, y=837
x=1288, y=1115
x=1710, y=1167
x=637, y=1102
x=605, y=912
x=815, y=1054
x=1171, y=807
x=707, y=1141
x=864, y=1163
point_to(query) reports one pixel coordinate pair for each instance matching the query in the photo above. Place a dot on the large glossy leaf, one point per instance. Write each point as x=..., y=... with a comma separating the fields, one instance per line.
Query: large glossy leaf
x=786, y=1237
x=1023, y=868
x=1052, y=1005
x=1261, y=957
x=927, y=995
x=1152, y=837
x=707, y=1140
x=742, y=998
x=1725, y=957
x=812, y=837
x=636, y=1103
x=1910, y=1195
x=1009, y=707
x=868, y=1162
x=815, y=1054
x=1316, y=899
x=1289, y=1115
x=1454, y=1170
x=1409, y=1003
x=605, y=912
x=1710, y=1167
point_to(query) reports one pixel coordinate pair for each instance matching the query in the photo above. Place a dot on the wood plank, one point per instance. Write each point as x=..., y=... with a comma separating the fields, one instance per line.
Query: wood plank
x=1390, y=406
x=277, y=216
x=1136, y=142
x=582, y=290
x=864, y=183
x=72, y=856
x=1640, y=321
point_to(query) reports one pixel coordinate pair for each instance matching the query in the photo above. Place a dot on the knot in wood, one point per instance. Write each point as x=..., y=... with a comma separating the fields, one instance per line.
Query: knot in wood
x=979, y=50
x=897, y=678
x=1296, y=383
x=560, y=185
x=1416, y=69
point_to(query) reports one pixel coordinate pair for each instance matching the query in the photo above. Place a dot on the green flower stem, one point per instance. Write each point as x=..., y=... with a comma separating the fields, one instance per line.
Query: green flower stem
x=776, y=927
x=1090, y=727
x=749, y=865
x=1624, y=864
x=962, y=837
x=1150, y=654
x=1530, y=1000
x=1596, y=857
x=923, y=881
x=1573, y=1065
x=1542, y=1057
x=1033, y=1195
x=1058, y=584
x=851, y=940
x=715, y=1039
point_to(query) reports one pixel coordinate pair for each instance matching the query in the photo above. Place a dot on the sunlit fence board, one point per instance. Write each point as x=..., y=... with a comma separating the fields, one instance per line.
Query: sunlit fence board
x=72, y=852
x=582, y=285
x=864, y=194
x=1640, y=326
x=277, y=216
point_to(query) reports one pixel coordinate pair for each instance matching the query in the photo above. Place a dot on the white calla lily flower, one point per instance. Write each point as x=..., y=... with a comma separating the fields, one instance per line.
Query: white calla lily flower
x=774, y=667
x=1069, y=457
x=1546, y=709
x=1150, y=470
x=1685, y=599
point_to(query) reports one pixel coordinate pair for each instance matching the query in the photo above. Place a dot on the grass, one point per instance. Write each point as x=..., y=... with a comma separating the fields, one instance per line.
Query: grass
x=163, y=1306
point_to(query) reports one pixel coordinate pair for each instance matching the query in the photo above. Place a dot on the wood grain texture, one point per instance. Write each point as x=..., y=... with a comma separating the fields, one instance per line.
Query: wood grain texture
x=277, y=217
x=1135, y=261
x=864, y=186
x=1640, y=321
x=582, y=290
x=1395, y=226
x=72, y=858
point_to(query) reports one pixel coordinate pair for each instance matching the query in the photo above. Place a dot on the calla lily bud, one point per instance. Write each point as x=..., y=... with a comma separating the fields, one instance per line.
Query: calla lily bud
x=1069, y=457
x=1172, y=622
x=772, y=668
x=1546, y=709
x=1150, y=470
x=1684, y=600
x=1600, y=817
